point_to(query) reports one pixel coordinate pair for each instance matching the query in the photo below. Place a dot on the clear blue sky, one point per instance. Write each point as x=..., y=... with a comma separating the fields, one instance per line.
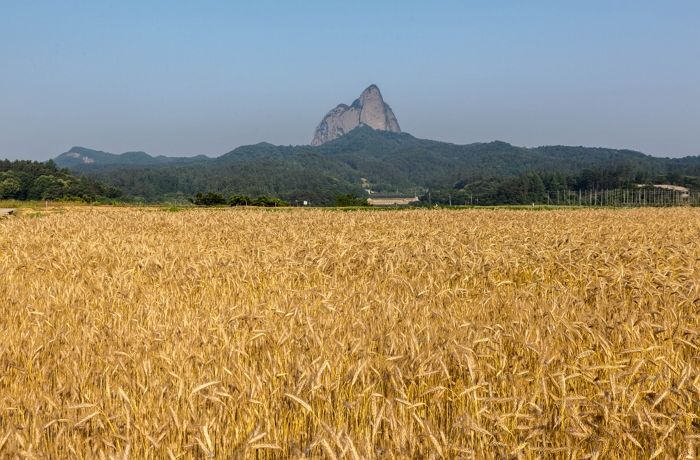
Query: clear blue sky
x=191, y=77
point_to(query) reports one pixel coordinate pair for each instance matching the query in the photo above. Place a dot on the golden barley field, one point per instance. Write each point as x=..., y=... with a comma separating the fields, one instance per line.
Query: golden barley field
x=235, y=333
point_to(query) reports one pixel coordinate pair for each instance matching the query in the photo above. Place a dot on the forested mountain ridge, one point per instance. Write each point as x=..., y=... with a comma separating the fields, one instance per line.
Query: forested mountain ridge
x=388, y=161
x=81, y=158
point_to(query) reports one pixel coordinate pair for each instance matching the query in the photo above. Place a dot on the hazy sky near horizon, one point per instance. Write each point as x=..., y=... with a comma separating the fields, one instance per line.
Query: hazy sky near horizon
x=185, y=78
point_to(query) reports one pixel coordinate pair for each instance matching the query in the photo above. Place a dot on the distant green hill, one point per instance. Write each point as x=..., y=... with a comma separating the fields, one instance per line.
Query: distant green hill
x=387, y=161
x=80, y=158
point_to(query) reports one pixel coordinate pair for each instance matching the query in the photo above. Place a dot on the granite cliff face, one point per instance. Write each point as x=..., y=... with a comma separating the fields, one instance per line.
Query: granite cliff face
x=369, y=109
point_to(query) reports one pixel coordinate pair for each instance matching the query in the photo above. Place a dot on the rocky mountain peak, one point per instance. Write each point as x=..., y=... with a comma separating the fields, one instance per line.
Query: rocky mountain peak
x=371, y=93
x=368, y=109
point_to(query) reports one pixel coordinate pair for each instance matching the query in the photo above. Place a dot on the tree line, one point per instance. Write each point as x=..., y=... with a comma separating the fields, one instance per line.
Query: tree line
x=539, y=187
x=217, y=199
x=33, y=180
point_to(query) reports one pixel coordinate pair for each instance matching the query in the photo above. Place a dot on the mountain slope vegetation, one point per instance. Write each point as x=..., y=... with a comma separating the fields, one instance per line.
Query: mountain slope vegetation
x=387, y=161
x=33, y=180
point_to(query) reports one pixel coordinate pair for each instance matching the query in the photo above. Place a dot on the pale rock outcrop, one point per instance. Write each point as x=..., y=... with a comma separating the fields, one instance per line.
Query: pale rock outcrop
x=369, y=109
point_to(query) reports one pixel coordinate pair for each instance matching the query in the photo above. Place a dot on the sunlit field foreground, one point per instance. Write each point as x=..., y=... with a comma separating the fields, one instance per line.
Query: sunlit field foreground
x=234, y=333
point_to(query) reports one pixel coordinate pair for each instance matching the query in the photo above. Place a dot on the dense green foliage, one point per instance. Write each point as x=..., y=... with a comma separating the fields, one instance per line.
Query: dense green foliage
x=268, y=202
x=239, y=200
x=349, y=199
x=214, y=199
x=32, y=180
x=388, y=162
x=208, y=199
